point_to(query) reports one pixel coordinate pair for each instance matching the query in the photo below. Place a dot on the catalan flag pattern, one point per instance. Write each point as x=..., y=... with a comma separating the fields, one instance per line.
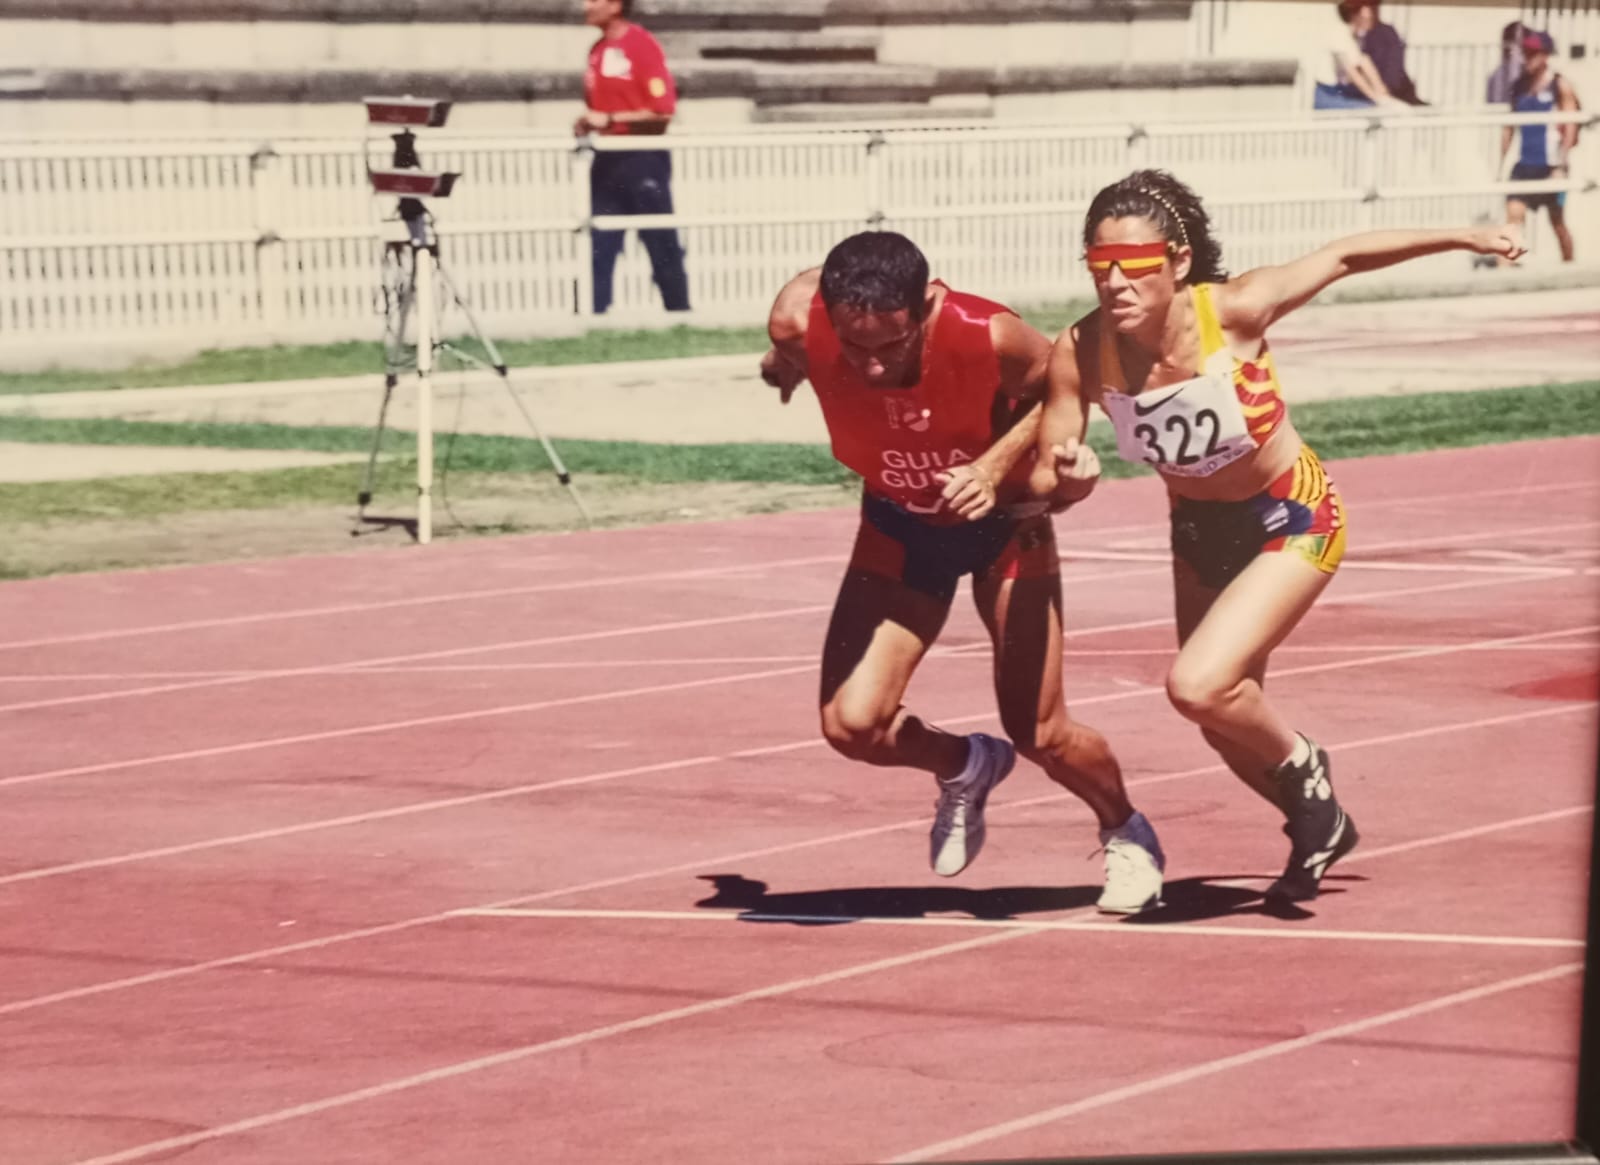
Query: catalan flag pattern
x=1316, y=524
x=1255, y=382
x=1298, y=513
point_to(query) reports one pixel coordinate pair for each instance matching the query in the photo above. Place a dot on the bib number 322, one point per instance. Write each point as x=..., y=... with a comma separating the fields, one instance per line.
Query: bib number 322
x=1180, y=442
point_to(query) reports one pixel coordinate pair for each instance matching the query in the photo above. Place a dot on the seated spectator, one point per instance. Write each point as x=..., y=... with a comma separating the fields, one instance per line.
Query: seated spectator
x=1384, y=47
x=1344, y=76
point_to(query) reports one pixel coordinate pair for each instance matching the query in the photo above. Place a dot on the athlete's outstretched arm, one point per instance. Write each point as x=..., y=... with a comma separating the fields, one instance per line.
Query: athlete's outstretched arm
x=1024, y=356
x=1257, y=299
x=1066, y=469
x=784, y=365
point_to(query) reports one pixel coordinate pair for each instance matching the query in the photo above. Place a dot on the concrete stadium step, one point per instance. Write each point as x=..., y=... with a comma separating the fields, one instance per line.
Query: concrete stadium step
x=293, y=35
x=780, y=84
x=873, y=113
x=765, y=45
x=659, y=13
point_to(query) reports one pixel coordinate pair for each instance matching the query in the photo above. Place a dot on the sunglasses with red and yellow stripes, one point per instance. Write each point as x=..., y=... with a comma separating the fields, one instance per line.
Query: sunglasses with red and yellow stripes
x=1136, y=260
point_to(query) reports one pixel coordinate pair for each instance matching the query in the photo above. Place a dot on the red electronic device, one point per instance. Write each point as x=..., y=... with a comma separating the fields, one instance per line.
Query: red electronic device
x=407, y=111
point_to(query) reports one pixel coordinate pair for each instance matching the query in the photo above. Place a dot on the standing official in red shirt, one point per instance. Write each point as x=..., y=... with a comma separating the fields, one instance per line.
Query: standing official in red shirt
x=629, y=91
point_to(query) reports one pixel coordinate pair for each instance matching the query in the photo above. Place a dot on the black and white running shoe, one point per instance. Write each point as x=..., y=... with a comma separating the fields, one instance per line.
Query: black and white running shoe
x=1320, y=832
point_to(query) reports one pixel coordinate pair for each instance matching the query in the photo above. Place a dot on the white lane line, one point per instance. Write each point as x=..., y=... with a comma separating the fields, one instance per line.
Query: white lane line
x=1139, y=783
x=962, y=654
x=588, y=583
x=1455, y=568
x=711, y=681
x=1401, y=847
x=703, y=863
x=42, y=872
x=732, y=660
x=344, y=666
x=81, y=677
x=1171, y=930
x=414, y=722
x=1533, y=573
x=1227, y=1063
x=669, y=576
x=1337, y=649
x=666, y=766
x=419, y=656
x=545, y=1047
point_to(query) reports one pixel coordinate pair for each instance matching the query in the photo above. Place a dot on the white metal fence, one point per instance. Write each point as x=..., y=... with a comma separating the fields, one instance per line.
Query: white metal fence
x=222, y=242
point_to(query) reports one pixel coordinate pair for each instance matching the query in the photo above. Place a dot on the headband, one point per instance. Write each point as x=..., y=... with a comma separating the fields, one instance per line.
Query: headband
x=1171, y=210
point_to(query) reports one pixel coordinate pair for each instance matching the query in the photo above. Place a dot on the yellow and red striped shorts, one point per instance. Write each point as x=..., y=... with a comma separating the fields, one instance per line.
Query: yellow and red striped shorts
x=1300, y=512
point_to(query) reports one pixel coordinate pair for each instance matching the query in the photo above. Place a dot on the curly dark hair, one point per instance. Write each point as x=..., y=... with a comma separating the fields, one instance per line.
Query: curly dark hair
x=876, y=271
x=1173, y=207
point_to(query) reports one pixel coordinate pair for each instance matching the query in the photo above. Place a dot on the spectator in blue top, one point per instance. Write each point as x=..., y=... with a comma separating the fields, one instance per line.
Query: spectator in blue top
x=1545, y=150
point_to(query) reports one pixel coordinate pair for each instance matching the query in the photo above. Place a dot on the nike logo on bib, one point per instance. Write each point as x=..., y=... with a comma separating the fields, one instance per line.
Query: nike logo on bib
x=1146, y=410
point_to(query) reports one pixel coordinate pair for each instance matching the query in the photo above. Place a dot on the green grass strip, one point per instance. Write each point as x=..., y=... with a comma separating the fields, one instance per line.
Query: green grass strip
x=357, y=358
x=315, y=361
x=1337, y=429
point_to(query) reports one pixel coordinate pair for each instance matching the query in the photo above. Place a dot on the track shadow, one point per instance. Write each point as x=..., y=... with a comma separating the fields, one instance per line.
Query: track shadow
x=1203, y=900
x=1185, y=900
x=752, y=898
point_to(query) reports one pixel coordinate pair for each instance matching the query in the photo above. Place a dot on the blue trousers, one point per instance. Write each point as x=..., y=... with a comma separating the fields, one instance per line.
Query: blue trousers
x=1339, y=97
x=636, y=182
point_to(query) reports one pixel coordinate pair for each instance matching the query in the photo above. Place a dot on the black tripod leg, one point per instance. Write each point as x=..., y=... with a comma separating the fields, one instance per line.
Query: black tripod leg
x=499, y=366
x=364, y=498
x=398, y=299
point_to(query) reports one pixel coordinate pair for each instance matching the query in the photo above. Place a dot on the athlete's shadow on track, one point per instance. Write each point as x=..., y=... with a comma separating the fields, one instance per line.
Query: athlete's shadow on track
x=1186, y=900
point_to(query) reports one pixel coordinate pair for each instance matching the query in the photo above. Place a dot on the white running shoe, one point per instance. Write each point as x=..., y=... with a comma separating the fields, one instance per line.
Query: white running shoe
x=1134, y=865
x=958, y=827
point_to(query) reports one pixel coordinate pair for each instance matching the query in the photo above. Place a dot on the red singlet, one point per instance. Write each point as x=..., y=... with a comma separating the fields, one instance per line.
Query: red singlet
x=897, y=439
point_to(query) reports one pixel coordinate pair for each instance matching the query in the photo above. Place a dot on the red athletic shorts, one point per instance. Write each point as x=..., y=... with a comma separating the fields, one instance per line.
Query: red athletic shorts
x=897, y=544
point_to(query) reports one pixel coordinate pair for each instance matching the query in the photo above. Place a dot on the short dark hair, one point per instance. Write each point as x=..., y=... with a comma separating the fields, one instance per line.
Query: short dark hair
x=1175, y=210
x=878, y=271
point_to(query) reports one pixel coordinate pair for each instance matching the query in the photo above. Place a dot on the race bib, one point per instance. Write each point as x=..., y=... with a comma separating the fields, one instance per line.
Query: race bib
x=1189, y=429
x=615, y=63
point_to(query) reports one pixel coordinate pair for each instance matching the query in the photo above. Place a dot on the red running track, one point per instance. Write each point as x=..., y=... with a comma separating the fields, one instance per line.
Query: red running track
x=527, y=849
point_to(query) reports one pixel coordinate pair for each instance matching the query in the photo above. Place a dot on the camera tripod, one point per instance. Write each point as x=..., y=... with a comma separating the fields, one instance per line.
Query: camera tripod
x=412, y=278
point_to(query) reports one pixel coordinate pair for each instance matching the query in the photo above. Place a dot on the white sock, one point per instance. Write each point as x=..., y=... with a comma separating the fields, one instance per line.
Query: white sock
x=1301, y=754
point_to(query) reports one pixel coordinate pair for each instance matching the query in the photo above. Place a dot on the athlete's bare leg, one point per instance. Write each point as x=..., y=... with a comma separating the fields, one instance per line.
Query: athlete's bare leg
x=1024, y=621
x=1193, y=600
x=1227, y=637
x=1558, y=223
x=880, y=631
